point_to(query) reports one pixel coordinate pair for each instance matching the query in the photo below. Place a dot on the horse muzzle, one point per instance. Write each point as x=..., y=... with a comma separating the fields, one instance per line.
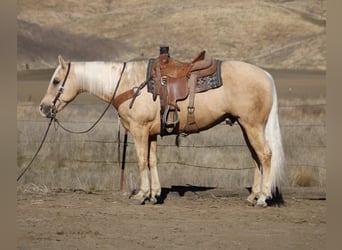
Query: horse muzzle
x=48, y=111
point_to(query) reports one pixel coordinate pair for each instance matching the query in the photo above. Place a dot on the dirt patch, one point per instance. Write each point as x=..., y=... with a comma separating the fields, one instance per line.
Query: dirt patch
x=189, y=218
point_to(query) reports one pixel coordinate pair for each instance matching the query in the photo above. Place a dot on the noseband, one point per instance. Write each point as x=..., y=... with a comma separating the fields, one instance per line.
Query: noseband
x=53, y=110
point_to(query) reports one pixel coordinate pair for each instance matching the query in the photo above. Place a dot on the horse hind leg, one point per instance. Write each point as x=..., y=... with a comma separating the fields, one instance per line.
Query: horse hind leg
x=261, y=153
x=256, y=188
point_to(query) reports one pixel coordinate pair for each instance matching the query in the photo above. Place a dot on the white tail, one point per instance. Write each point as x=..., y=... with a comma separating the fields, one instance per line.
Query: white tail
x=274, y=139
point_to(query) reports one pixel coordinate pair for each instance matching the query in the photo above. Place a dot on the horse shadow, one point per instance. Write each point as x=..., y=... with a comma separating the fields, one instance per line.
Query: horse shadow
x=181, y=190
x=277, y=199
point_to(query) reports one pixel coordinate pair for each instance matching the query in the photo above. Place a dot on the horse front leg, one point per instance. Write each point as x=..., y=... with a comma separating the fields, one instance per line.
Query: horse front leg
x=141, y=141
x=155, y=184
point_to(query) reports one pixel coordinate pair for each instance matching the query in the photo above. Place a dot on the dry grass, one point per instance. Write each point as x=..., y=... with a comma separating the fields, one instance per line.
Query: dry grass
x=32, y=188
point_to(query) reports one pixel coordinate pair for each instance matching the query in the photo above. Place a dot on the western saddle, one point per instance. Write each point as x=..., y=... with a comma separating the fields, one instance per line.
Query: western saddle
x=175, y=81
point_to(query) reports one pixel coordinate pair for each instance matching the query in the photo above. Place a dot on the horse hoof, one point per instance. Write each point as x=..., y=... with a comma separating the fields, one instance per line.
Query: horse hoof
x=251, y=200
x=138, y=198
x=261, y=203
x=136, y=201
x=250, y=203
x=153, y=200
x=156, y=200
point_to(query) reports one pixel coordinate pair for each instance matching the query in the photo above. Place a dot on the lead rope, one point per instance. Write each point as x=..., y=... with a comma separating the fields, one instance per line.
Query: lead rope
x=53, y=118
x=35, y=155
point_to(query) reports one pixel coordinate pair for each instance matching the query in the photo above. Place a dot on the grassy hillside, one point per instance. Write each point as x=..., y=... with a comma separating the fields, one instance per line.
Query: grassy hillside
x=270, y=33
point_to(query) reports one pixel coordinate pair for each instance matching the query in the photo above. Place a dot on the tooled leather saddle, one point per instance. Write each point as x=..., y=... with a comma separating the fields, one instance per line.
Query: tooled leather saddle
x=175, y=81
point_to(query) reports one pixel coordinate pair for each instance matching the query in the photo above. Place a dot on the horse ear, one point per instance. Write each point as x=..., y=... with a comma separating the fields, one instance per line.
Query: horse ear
x=62, y=62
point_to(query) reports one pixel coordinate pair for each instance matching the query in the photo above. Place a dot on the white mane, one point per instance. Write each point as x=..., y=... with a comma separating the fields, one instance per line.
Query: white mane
x=98, y=78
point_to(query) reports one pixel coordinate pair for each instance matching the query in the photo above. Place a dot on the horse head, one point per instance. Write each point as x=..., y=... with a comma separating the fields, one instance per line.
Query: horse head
x=62, y=89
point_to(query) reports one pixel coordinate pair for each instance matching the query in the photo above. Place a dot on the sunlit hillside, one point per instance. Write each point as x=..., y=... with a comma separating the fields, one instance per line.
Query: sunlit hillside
x=269, y=33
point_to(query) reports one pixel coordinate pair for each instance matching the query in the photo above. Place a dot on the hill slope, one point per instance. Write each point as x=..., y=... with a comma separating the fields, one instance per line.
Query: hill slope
x=274, y=34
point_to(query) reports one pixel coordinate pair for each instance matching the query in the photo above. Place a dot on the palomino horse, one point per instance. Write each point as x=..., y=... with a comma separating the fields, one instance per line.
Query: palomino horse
x=248, y=96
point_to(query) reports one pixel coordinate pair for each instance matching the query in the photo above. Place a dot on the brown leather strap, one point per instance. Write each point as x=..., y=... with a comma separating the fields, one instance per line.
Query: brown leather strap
x=199, y=57
x=123, y=97
x=132, y=93
x=191, y=125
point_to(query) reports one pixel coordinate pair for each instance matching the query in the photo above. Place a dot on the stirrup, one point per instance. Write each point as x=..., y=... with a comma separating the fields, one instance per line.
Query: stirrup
x=175, y=121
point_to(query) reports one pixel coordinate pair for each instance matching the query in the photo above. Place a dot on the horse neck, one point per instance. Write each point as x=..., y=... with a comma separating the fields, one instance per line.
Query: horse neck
x=98, y=78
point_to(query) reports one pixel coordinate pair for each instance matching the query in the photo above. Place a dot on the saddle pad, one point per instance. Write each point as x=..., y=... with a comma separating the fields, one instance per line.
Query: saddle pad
x=212, y=81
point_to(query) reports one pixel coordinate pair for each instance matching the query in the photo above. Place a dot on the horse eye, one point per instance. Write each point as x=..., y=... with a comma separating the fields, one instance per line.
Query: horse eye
x=55, y=81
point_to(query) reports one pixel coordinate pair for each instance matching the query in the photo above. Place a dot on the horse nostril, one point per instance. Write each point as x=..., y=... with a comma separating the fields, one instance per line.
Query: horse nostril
x=42, y=108
x=45, y=109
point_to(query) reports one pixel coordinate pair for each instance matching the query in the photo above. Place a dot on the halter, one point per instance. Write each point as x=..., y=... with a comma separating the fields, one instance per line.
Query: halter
x=59, y=92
